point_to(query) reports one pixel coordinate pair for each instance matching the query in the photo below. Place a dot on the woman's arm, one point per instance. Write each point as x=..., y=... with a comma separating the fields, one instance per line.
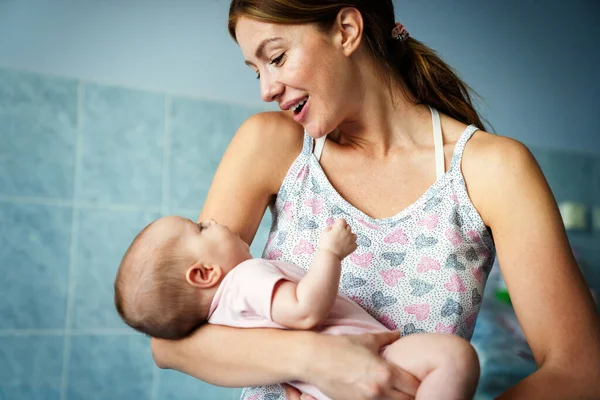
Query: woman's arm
x=550, y=297
x=248, y=177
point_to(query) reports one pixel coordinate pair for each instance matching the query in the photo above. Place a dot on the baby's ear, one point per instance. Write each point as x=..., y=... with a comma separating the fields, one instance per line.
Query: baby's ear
x=203, y=276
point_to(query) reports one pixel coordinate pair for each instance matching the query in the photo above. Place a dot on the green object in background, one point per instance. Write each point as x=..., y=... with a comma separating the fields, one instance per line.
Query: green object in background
x=503, y=296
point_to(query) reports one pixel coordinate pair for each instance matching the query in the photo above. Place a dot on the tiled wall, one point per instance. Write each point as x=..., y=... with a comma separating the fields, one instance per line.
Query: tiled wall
x=83, y=168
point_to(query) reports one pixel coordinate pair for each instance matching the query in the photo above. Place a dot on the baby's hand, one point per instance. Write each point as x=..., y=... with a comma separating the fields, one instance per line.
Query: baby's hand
x=338, y=239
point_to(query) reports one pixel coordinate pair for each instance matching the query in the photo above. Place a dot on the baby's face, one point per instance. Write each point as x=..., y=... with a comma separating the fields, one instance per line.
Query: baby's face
x=216, y=243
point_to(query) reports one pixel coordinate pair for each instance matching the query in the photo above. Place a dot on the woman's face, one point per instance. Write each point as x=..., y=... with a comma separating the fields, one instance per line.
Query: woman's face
x=302, y=69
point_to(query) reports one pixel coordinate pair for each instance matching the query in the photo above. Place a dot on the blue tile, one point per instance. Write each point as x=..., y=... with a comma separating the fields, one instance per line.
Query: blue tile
x=568, y=174
x=37, y=132
x=174, y=385
x=29, y=392
x=200, y=133
x=110, y=367
x=104, y=236
x=34, y=261
x=122, y=146
x=30, y=360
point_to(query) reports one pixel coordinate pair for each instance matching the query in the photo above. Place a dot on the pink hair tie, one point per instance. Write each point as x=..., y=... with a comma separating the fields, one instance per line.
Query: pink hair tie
x=399, y=32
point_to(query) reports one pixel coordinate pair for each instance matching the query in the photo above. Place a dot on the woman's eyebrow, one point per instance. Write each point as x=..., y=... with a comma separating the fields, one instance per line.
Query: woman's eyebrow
x=261, y=47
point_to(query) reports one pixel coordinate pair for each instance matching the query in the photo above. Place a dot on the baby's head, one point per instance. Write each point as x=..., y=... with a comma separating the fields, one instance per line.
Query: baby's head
x=170, y=274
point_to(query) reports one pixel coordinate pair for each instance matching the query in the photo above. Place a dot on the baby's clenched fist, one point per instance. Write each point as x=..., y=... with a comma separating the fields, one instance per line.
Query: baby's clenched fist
x=338, y=239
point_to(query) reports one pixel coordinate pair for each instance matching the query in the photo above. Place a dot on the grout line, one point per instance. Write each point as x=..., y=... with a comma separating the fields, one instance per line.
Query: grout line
x=31, y=332
x=36, y=201
x=74, y=244
x=259, y=106
x=115, y=207
x=78, y=204
x=164, y=207
x=61, y=332
x=166, y=170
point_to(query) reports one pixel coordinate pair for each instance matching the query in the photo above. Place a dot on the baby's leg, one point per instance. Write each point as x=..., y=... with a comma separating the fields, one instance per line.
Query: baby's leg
x=446, y=365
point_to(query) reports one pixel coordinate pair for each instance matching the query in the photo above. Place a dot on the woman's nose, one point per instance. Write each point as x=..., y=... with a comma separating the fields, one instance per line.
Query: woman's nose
x=270, y=88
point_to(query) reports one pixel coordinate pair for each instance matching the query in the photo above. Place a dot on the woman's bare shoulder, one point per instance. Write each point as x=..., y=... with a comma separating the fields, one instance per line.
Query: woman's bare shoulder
x=271, y=141
x=493, y=165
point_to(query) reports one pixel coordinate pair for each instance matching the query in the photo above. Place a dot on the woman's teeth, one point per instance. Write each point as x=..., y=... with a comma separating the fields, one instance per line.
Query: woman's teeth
x=298, y=106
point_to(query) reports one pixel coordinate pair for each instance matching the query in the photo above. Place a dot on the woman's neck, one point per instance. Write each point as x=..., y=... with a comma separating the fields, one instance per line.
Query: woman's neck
x=383, y=118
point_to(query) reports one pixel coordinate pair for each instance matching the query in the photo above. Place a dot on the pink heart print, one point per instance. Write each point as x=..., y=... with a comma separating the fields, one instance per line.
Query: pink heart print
x=329, y=221
x=315, y=204
x=304, y=247
x=303, y=172
x=420, y=311
x=441, y=328
x=287, y=210
x=398, y=236
x=362, y=260
x=427, y=263
x=368, y=224
x=455, y=285
x=430, y=222
x=477, y=273
x=391, y=277
x=474, y=236
x=274, y=254
x=453, y=237
x=388, y=322
x=470, y=320
x=454, y=197
x=355, y=299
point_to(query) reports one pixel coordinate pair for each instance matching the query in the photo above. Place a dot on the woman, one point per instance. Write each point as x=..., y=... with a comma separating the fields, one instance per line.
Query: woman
x=375, y=127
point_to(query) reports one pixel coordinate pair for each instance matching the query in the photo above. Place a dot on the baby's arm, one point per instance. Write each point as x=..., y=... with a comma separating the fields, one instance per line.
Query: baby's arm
x=306, y=304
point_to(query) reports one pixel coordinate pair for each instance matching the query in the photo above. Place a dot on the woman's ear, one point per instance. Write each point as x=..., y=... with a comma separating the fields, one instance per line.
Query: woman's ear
x=203, y=276
x=349, y=26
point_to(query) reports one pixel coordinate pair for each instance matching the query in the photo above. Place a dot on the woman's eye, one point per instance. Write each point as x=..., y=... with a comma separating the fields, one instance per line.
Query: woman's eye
x=276, y=61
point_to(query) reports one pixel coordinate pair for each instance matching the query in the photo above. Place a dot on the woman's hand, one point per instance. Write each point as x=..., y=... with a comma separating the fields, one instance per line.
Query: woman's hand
x=291, y=393
x=350, y=368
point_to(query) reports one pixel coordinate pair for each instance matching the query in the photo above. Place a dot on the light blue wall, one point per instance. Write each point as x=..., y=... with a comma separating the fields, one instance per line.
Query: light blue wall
x=86, y=161
x=536, y=63
x=83, y=167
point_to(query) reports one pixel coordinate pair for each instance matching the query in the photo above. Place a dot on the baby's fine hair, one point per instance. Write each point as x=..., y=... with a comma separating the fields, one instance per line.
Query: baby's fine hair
x=151, y=293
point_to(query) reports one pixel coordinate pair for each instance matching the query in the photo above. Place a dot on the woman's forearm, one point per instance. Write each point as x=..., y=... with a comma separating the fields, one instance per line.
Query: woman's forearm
x=549, y=383
x=234, y=357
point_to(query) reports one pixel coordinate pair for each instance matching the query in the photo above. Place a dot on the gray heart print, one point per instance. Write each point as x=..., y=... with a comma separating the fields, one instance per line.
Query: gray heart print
x=452, y=262
x=394, y=258
x=471, y=254
x=307, y=223
x=362, y=240
x=281, y=237
x=409, y=329
x=475, y=297
x=432, y=203
x=452, y=307
x=423, y=241
x=420, y=288
x=380, y=300
x=349, y=281
x=315, y=186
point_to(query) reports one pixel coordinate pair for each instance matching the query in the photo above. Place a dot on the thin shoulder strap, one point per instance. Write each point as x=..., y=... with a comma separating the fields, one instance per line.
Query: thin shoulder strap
x=319, y=143
x=438, y=143
x=459, y=148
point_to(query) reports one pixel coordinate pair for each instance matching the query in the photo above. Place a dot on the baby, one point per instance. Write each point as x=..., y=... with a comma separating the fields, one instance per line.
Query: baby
x=178, y=275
